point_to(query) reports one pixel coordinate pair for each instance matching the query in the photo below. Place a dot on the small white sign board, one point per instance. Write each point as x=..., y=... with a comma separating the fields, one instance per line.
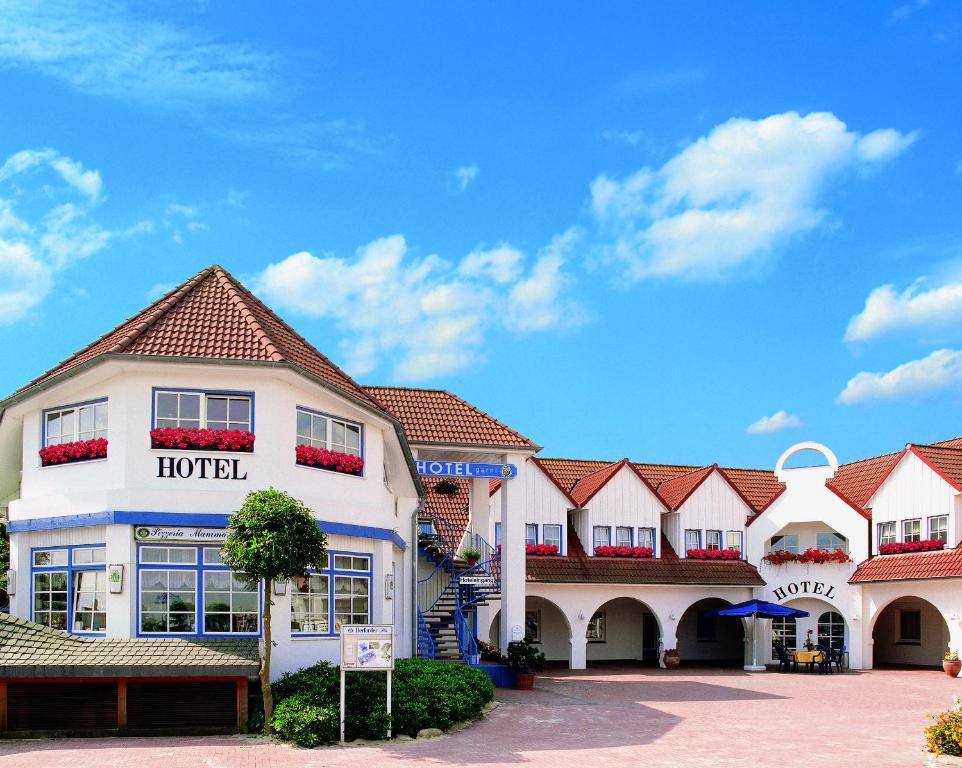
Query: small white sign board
x=367, y=648
x=477, y=581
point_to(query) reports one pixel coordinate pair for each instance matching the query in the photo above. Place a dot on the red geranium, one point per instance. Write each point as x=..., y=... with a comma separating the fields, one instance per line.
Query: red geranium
x=926, y=545
x=81, y=450
x=541, y=550
x=347, y=463
x=713, y=554
x=190, y=438
x=635, y=552
x=810, y=555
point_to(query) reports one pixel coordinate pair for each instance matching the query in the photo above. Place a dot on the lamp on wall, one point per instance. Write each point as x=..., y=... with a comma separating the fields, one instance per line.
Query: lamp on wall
x=581, y=615
x=11, y=582
x=671, y=616
x=280, y=587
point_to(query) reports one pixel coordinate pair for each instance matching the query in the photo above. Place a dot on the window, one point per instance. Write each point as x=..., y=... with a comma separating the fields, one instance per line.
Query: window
x=623, y=536
x=530, y=533
x=830, y=541
x=75, y=422
x=910, y=627
x=70, y=588
x=788, y=542
x=831, y=629
x=734, y=540
x=713, y=540
x=203, y=410
x=602, y=536
x=322, y=431
x=784, y=630
x=646, y=538
x=187, y=590
x=497, y=534
x=532, y=625
x=338, y=594
x=886, y=533
x=596, y=628
x=692, y=539
x=552, y=535
x=911, y=530
x=939, y=528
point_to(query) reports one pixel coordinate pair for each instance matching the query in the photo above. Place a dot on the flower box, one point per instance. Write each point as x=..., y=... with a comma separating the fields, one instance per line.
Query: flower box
x=191, y=439
x=67, y=453
x=633, y=552
x=713, y=554
x=926, y=545
x=811, y=555
x=346, y=463
x=541, y=550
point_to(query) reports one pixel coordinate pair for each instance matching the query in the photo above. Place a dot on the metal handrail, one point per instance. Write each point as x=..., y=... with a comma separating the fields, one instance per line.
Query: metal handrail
x=426, y=649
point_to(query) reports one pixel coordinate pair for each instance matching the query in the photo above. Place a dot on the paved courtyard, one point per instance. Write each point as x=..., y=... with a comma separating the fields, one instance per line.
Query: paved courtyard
x=613, y=717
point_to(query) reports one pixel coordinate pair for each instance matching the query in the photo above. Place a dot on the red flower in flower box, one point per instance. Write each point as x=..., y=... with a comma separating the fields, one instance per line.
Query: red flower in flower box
x=539, y=550
x=67, y=453
x=926, y=545
x=347, y=463
x=713, y=554
x=632, y=552
x=193, y=439
x=810, y=555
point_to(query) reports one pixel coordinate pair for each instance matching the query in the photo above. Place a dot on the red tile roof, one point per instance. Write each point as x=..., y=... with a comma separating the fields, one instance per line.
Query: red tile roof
x=858, y=480
x=656, y=474
x=609, y=570
x=952, y=442
x=678, y=489
x=759, y=487
x=438, y=416
x=945, y=564
x=449, y=512
x=946, y=461
x=590, y=484
x=212, y=316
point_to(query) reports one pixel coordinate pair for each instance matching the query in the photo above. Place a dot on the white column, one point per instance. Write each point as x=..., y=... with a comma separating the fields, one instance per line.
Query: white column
x=512, y=555
x=480, y=509
x=122, y=614
x=579, y=641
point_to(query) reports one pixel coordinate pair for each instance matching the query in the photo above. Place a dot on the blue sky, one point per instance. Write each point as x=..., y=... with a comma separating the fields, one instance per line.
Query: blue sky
x=680, y=232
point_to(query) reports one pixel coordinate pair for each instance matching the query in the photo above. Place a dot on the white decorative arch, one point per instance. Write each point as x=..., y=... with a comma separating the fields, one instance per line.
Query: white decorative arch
x=807, y=445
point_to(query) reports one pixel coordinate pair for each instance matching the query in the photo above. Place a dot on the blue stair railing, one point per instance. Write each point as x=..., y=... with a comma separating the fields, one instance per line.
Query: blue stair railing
x=425, y=641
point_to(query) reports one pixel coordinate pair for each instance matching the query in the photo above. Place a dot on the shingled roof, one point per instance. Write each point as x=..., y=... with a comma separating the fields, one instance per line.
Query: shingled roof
x=33, y=650
x=944, y=564
x=608, y=570
x=211, y=316
x=440, y=417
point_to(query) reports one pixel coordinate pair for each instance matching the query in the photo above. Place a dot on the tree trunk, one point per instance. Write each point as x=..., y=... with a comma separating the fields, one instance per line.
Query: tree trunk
x=265, y=670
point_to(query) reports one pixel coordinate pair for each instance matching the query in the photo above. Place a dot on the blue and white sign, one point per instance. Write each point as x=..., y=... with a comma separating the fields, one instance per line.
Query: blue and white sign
x=465, y=469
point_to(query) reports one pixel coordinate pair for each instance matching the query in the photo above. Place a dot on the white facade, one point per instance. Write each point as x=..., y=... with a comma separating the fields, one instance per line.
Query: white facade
x=104, y=501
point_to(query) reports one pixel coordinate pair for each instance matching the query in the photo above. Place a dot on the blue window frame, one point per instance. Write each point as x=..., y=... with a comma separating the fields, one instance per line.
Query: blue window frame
x=68, y=587
x=552, y=535
x=646, y=538
x=74, y=422
x=324, y=430
x=623, y=536
x=497, y=534
x=201, y=409
x=692, y=539
x=187, y=590
x=338, y=594
x=530, y=533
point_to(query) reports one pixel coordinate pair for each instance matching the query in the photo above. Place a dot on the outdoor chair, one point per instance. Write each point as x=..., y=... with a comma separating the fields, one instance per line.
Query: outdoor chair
x=786, y=660
x=838, y=655
x=825, y=661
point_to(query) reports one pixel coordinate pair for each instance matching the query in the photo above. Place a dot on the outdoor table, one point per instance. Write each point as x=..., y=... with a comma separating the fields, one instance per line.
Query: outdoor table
x=808, y=657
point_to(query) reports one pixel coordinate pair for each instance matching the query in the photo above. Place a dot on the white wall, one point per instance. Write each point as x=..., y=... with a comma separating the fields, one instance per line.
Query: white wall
x=913, y=490
x=625, y=501
x=544, y=504
x=713, y=506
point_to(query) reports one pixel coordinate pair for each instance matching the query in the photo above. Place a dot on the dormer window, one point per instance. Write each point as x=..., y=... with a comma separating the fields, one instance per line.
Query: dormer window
x=830, y=541
x=190, y=409
x=319, y=430
x=786, y=543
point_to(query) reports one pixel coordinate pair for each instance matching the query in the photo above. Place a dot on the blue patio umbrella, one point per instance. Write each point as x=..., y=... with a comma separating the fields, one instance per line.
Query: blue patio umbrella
x=757, y=609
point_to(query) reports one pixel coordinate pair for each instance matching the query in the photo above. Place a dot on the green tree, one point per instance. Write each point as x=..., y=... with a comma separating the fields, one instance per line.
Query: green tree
x=272, y=537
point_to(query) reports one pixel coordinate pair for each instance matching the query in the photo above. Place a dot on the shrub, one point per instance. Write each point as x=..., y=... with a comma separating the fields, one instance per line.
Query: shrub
x=944, y=736
x=427, y=694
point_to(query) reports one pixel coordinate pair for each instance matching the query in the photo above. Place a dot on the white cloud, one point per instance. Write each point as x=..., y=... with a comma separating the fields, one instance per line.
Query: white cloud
x=904, y=11
x=889, y=311
x=940, y=371
x=424, y=316
x=464, y=175
x=59, y=229
x=777, y=422
x=733, y=196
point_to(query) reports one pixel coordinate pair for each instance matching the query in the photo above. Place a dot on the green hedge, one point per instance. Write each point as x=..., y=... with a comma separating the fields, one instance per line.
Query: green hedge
x=426, y=694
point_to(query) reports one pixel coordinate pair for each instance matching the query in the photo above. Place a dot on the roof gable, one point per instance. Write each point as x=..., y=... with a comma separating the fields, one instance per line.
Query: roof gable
x=212, y=316
x=585, y=489
x=676, y=491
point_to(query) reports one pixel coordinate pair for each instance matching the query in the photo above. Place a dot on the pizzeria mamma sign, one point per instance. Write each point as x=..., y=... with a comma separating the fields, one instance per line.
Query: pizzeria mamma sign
x=178, y=533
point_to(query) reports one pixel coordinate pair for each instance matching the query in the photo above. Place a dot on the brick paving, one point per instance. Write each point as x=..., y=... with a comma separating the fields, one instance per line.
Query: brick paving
x=612, y=717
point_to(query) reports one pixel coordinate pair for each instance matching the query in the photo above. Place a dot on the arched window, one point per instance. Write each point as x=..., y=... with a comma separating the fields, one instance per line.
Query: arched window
x=831, y=629
x=785, y=632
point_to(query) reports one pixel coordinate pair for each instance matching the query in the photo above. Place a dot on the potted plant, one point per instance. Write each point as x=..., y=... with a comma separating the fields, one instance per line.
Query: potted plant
x=951, y=663
x=525, y=660
x=808, y=645
x=472, y=555
x=672, y=658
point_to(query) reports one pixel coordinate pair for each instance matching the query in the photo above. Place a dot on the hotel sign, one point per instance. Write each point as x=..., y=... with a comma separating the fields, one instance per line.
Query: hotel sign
x=465, y=469
x=178, y=533
x=201, y=467
x=795, y=588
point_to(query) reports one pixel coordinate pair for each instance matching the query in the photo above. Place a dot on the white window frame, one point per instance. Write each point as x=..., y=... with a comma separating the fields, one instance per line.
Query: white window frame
x=942, y=534
x=594, y=536
x=619, y=530
x=595, y=633
x=779, y=543
x=530, y=533
x=892, y=538
x=546, y=534
x=94, y=408
x=843, y=545
x=204, y=395
x=316, y=440
x=497, y=534
x=649, y=534
x=733, y=540
x=917, y=521
x=696, y=534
